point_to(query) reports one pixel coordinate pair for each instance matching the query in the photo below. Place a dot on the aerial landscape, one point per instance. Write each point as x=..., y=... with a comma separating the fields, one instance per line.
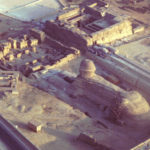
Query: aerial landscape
x=75, y=75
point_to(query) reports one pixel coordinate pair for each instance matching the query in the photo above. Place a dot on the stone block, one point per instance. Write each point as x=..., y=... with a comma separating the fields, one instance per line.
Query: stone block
x=36, y=68
x=27, y=51
x=19, y=55
x=5, y=82
x=34, y=61
x=25, y=37
x=13, y=43
x=1, y=55
x=34, y=49
x=22, y=44
x=11, y=57
x=15, y=91
x=87, y=138
x=69, y=14
x=8, y=81
x=6, y=51
x=40, y=35
x=35, y=125
x=7, y=45
x=33, y=42
x=93, y=5
x=138, y=29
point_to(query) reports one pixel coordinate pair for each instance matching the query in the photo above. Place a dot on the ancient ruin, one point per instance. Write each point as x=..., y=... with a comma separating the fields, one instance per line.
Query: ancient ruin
x=9, y=81
x=89, y=25
x=74, y=75
x=29, y=55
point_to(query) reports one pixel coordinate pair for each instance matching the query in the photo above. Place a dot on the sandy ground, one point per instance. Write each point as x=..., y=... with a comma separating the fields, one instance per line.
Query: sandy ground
x=27, y=10
x=10, y=27
x=64, y=118
x=128, y=9
x=3, y=146
x=59, y=119
x=137, y=51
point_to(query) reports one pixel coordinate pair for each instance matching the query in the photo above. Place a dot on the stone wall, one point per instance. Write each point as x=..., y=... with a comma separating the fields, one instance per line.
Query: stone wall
x=61, y=62
x=92, y=12
x=114, y=32
x=79, y=40
x=40, y=35
x=9, y=81
x=66, y=36
x=58, y=45
x=68, y=14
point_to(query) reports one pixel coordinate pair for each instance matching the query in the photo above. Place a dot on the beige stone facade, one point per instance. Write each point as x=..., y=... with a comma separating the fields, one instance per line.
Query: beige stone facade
x=85, y=29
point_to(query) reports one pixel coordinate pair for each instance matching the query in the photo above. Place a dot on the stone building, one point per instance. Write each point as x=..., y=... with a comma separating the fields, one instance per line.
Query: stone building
x=87, y=26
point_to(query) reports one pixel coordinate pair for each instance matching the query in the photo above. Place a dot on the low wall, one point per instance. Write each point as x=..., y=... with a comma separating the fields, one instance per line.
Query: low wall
x=68, y=14
x=59, y=63
x=58, y=45
x=62, y=61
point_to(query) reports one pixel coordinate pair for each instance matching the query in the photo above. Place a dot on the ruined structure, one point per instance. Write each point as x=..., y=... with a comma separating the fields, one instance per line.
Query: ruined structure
x=29, y=53
x=88, y=25
x=67, y=70
x=9, y=81
x=102, y=92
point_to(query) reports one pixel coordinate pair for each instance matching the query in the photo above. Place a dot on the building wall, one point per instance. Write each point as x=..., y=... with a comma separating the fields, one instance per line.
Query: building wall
x=114, y=32
x=58, y=45
x=74, y=38
x=68, y=14
x=66, y=36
